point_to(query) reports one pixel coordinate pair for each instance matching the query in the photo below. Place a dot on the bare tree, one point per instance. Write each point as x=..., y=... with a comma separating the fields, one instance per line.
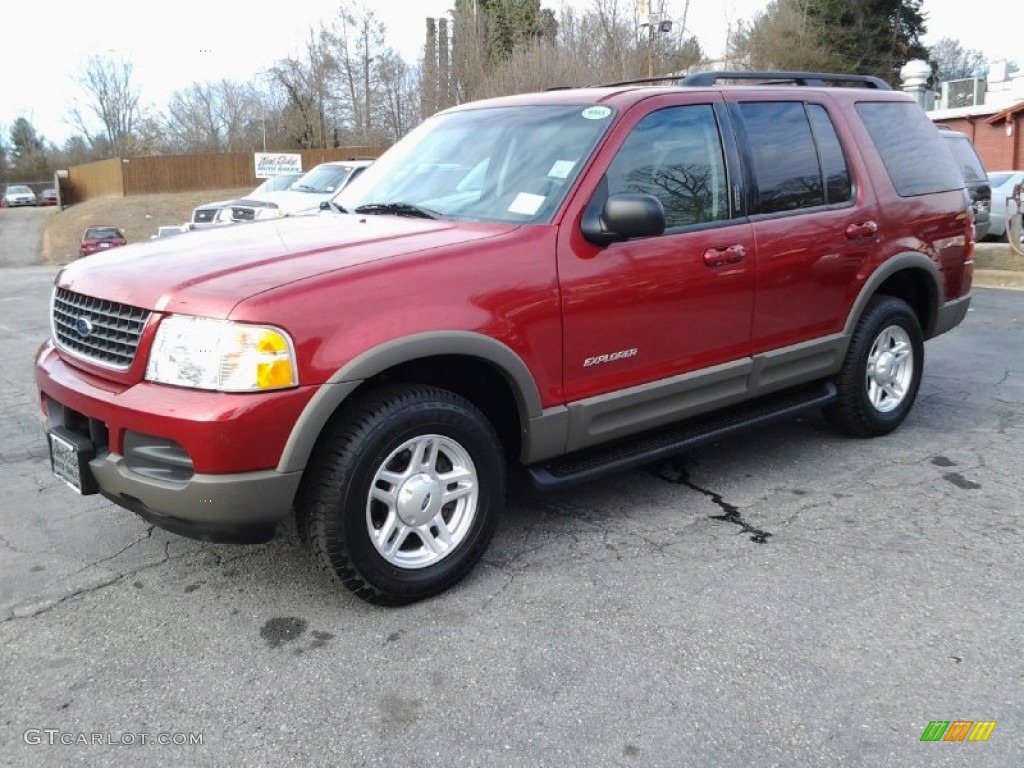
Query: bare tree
x=397, y=108
x=469, y=57
x=951, y=61
x=362, y=55
x=214, y=117
x=306, y=83
x=112, y=99
x=429, y=92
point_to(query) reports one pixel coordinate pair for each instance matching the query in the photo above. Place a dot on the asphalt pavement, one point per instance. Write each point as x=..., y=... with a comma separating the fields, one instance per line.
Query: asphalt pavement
x=784, y=598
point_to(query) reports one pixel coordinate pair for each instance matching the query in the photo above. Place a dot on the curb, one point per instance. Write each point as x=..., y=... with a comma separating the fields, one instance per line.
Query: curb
x=998, y=278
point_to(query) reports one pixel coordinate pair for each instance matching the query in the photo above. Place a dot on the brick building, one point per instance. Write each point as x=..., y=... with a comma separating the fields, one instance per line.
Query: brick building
x=991, y=112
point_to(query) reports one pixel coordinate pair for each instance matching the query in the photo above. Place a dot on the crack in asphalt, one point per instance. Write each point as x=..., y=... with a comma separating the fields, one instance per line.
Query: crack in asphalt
x=47, y=604
x=674, y=472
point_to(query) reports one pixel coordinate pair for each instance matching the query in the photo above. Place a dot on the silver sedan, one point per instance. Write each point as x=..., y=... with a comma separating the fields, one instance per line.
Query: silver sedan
x=1002, y=183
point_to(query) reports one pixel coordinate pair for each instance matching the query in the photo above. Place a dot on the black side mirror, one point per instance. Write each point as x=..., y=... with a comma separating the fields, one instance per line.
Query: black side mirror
x=624, y=216
x=325, y=205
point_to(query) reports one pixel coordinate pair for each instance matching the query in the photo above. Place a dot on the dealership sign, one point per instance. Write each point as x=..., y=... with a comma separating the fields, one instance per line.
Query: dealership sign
x=275, y=163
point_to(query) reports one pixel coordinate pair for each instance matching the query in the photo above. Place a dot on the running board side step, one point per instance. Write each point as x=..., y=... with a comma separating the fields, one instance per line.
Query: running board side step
x=567, y=471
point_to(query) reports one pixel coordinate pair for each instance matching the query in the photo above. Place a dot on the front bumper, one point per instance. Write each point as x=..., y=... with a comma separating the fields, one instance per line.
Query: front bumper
x=242, y=508
x=201, y=464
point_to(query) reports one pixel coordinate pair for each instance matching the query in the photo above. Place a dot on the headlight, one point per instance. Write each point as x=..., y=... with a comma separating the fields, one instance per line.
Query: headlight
x=220, y=354
x=270, y=212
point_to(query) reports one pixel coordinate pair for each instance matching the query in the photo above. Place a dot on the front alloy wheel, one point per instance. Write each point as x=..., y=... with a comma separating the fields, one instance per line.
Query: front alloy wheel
x=402, y=493
x=422, y=502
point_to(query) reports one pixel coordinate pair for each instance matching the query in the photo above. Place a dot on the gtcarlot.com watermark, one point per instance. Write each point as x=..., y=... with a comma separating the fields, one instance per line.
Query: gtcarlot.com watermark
x=55, y=737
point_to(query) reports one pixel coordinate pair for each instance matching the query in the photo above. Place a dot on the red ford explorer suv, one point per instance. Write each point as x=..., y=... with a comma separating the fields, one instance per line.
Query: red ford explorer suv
x=570, y=282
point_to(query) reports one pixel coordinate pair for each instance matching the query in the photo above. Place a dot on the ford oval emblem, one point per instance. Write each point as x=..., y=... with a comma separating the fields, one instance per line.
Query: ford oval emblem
x=83, y=326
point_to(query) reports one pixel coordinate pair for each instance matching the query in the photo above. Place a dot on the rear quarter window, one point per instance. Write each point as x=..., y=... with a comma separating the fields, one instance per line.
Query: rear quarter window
x=911, y=148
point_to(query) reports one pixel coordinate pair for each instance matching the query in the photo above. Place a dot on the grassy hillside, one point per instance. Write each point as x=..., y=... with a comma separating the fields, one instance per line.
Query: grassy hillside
x=137, y=216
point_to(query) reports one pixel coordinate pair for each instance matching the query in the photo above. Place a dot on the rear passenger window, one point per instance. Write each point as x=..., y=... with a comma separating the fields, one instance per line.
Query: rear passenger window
x=838, y=188
x=910, y=147
x=795, y=167
x=676, y=155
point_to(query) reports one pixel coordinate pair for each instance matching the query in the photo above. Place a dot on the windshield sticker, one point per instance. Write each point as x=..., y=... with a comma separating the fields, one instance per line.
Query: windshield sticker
x=596, y=113
x=561, y=169
x=526, y=203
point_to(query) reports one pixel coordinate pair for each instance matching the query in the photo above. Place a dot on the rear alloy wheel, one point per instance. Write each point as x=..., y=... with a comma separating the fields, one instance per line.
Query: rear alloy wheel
x=881, y=374
x=403, y=493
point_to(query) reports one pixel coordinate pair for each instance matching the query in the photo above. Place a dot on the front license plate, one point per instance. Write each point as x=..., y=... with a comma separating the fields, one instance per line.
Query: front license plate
x=69, y=460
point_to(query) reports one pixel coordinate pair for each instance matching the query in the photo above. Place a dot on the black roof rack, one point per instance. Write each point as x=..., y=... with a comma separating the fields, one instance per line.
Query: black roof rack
x=705, y=79
x=818, y=79
x=641, y=80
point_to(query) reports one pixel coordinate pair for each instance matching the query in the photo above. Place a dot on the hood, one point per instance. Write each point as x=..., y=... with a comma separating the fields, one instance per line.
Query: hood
x=208, y=272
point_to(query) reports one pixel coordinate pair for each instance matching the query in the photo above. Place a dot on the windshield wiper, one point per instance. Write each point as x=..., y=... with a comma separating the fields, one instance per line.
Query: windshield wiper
x=305, y=188
x=399, y=209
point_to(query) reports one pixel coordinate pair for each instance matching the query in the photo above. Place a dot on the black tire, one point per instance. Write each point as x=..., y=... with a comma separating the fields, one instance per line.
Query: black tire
x=377, y=438
x=864, y=408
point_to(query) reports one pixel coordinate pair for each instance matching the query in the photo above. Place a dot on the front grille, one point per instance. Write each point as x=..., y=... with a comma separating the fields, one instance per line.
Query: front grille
x=242, y=213
x=97, y=330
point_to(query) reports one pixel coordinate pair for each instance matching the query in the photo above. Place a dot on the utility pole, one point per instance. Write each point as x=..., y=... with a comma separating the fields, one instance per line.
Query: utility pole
x=655, y=23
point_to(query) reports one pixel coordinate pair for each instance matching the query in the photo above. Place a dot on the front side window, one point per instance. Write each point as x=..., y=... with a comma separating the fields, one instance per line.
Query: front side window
x=493, y=164
x=676, y=155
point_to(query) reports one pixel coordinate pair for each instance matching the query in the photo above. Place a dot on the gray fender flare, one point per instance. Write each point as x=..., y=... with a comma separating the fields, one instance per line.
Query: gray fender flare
x=903, y=261
x=374, y=361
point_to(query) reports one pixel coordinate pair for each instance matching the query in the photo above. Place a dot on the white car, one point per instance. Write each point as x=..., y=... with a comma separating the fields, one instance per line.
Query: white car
x=303, y=195
x=18, y=194
x=320, y=184
x=214, y=214
x=1002, y=183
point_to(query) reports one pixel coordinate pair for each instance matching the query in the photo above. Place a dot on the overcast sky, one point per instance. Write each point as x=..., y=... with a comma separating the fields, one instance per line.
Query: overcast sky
x=191, y=40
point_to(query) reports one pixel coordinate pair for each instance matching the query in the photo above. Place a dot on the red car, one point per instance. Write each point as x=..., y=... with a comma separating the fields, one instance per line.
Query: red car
x=556, y=285
x=48, y=197
x=101, y=239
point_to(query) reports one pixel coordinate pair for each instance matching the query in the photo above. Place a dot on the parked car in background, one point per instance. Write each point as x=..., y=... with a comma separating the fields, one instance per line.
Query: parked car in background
x=101, y=238
x=303, y=195
x=171, y=231
x=48, y=196
x=318, y=185
x=1002, y=184
x=213, y=214
x=17, y=195
x=975, y=178
x=248, y=210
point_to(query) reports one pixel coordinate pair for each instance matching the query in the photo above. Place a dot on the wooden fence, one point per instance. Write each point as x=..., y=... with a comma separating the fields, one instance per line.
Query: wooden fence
x=122, y=177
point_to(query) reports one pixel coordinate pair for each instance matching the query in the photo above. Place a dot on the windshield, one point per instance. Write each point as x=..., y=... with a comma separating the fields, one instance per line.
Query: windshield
x=998, y=179
x=278, y=183
x=323, y=179
x=966, y=157
x=101, y=233
x=498, y=164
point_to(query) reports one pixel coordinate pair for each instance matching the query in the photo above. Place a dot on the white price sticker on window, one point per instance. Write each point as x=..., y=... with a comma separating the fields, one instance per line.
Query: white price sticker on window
x=561, y=169
x=526, y=203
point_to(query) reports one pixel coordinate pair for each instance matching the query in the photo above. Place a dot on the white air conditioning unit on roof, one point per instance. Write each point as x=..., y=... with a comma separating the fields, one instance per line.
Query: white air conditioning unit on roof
x=969, y=92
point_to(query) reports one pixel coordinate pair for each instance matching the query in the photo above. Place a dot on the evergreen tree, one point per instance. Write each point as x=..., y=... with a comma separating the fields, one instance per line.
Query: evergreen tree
x=870, y=37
